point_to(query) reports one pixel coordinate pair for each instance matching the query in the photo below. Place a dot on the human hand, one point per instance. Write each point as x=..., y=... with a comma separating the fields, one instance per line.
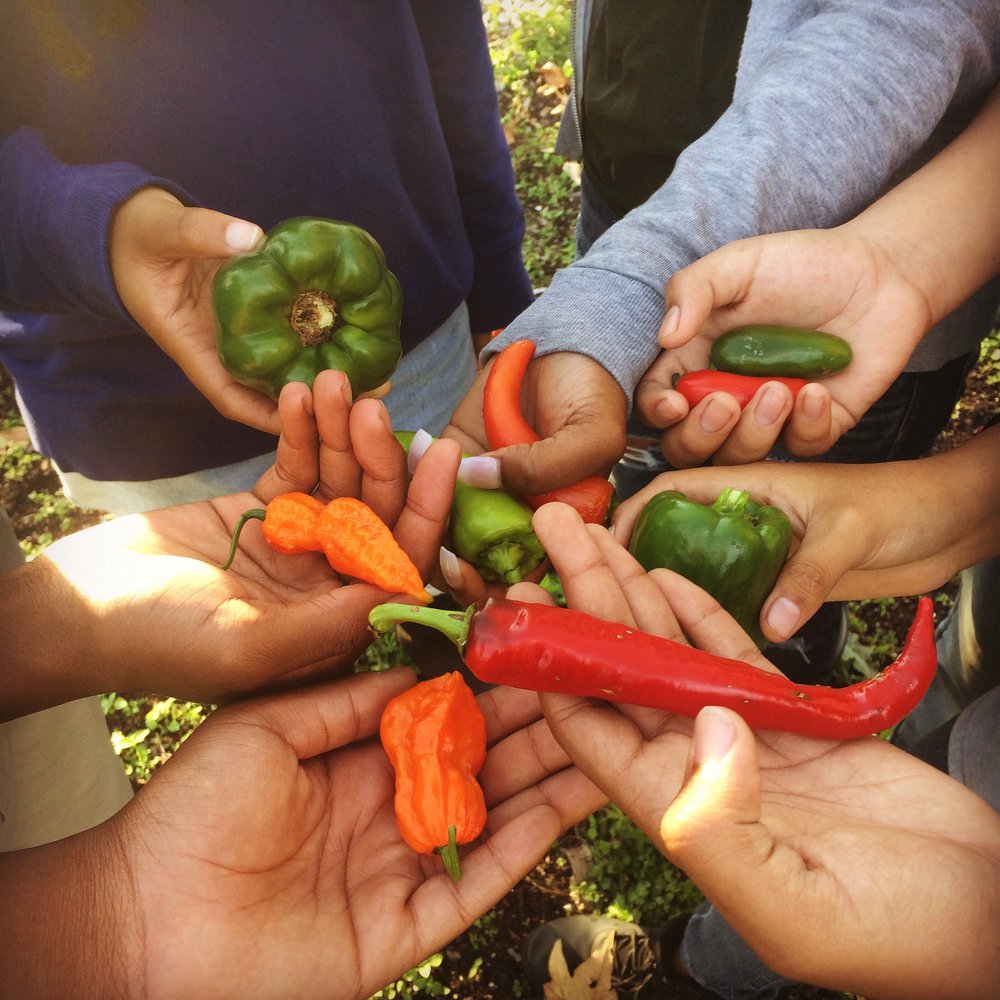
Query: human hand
x=577, y=408
x=832, y=280
x=867, y=846
x=264, y=858
x=164, y=258
x=145, y=596
x=861, y=531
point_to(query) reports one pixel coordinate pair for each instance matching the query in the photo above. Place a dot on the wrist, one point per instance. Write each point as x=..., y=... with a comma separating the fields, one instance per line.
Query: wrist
x=68, y=919
x=46, y=641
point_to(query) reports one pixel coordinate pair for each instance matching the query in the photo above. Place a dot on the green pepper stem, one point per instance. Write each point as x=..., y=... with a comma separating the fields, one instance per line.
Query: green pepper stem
x=449, y=855
x=453, y=624
x=504, y=559
x=257, y=514
x=731, y=501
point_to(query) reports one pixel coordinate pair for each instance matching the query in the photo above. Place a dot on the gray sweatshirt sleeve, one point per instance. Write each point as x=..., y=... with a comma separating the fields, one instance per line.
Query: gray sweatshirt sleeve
x=831, y=99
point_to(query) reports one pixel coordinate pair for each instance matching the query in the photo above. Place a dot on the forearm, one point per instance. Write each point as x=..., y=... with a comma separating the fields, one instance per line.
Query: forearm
x=820, y=122
x=55, y=221
x=65, y=920
x=941, y=226
x=44, y=642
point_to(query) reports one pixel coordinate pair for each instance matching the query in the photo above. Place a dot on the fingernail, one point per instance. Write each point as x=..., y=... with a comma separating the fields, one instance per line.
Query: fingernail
x=450, y=568
x=242, y=236
x=714, y=417
x=480, y=470
x=769, y=407
x=783, y=617
x=670, y=323
x=812, y=403
x=713, y=736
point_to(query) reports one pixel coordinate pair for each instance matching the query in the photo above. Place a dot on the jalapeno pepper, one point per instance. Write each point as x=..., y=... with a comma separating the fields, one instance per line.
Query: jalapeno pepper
x=315, y=294
x=435, y=737
x=734, y=549
x=491, y=530
x=780, y=350
x=543, y=648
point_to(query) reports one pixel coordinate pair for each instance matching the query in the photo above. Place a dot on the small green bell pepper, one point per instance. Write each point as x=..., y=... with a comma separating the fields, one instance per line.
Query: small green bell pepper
x=780, y=350
x=733, y=549
x=315, y=294
x=491, y=530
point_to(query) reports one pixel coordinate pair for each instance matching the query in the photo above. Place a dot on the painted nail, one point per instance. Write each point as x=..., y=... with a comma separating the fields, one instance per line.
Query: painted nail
x=480, y=470
x=451, y=570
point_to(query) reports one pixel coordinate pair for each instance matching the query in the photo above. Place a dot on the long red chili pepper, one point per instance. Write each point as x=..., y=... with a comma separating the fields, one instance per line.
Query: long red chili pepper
x=506, y=426
x=695, y=386
x=545, y=648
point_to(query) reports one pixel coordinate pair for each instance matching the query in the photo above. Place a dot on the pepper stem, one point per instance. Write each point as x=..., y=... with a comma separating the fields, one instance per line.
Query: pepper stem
x=257, y=514
x=313, y=317
x=449, y=855
x=504, y=559
x=453, y=624
x=731, y=501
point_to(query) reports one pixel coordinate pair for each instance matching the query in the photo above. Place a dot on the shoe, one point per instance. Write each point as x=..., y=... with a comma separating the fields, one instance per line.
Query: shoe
x=575, y=957
x=812, y=654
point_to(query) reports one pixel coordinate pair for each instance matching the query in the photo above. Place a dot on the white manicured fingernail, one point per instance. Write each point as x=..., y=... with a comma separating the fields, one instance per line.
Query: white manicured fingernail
x=480, y=470
x=450, y=568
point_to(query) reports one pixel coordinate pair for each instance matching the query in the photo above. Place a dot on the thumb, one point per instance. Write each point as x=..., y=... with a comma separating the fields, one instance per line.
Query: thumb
x=805, y=582
x=712, y=829
x=695, y=292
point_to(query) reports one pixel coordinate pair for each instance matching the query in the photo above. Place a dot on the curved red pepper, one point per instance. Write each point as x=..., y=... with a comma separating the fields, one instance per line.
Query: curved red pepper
x=695, y=386
x=506, y=426
x=545, y=648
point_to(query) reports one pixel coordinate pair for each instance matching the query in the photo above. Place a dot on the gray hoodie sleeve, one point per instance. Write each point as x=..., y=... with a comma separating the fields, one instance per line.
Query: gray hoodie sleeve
x=831, y=99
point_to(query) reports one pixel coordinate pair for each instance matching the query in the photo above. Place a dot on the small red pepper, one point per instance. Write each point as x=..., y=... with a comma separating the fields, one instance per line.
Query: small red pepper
x=506, y=426
x=543, y=648
x=434, y=735
x=695, y=386
x=355, y=540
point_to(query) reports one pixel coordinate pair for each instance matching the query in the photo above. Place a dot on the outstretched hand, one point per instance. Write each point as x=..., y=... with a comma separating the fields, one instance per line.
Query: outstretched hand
x=882, y=859
x=829, y=280
x=152, y=582
x=264, y=859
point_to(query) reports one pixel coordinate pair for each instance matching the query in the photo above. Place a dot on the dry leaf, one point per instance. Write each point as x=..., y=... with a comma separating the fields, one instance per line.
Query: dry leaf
x=590, y=981
x=553, y=76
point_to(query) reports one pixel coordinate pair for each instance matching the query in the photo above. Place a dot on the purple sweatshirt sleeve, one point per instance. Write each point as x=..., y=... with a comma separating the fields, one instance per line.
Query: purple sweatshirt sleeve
x=55, y=223
x=454, y=39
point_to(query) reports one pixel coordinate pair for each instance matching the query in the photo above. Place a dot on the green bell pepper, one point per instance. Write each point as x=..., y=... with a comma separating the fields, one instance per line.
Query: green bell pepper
x=733, y=549
x=315, y=294
x=491, y=530
x=781, y=351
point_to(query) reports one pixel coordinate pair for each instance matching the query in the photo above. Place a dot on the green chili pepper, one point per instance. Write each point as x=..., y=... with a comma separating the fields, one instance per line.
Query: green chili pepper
x=733, y=549
x=491, y=530
x=315, y=294
x=780, y=350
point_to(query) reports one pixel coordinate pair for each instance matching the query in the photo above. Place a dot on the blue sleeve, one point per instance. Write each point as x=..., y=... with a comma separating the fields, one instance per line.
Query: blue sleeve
x=55, y=223
x=455, y=44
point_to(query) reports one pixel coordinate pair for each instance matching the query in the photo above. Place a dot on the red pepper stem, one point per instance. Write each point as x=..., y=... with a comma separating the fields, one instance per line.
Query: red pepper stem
x=731, y=501
x=453, y=624
x=449, y=855
x=257, y=514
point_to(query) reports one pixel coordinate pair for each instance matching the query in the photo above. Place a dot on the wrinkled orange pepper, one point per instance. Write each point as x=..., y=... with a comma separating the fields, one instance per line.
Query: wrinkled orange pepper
x=356, y=541
x=435, y=737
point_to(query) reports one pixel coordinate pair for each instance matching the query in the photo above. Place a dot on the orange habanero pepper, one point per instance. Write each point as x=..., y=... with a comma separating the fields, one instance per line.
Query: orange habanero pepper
x=435, y=737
